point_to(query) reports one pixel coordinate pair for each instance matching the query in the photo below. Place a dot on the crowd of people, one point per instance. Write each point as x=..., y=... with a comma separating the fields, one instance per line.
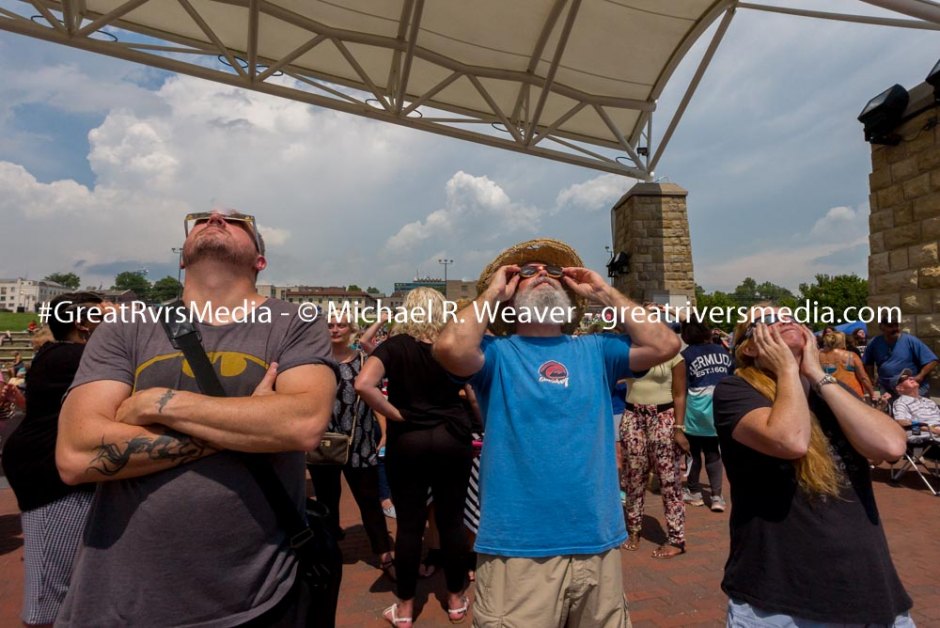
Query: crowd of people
x=145, y=488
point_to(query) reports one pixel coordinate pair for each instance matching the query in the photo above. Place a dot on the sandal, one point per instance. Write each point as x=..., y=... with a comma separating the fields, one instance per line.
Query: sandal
x=632, y=543
x=391, y=615
x=667, y=551
x=388, y=568
x=457, y=615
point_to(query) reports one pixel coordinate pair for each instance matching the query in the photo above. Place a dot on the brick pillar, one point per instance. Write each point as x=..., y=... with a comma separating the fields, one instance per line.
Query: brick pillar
x=904, y=227
x=651, y=225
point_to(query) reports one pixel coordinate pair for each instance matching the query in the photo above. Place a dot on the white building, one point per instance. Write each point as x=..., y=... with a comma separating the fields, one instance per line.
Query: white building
x=26, y=295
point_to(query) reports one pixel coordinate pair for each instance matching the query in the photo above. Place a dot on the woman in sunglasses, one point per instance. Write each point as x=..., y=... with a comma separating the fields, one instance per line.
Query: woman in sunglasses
x=361, y=470
x=807, y=546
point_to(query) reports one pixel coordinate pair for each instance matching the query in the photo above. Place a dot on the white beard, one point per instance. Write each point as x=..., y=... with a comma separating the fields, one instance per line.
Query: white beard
x=538, y=303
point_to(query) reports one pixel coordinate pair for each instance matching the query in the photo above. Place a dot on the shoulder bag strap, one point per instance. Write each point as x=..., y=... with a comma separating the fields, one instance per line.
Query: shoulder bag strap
x=184, y=336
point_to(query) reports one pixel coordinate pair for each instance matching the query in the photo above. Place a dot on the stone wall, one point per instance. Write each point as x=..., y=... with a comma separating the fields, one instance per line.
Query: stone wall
x=903, y=265
x=651, y=225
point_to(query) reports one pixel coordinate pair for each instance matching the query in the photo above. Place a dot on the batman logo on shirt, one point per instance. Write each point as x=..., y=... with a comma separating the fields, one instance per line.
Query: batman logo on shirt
x=165, y=369
x=554, y=373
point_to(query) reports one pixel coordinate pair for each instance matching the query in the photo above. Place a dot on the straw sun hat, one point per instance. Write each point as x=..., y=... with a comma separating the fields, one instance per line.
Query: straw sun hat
x=546, y=251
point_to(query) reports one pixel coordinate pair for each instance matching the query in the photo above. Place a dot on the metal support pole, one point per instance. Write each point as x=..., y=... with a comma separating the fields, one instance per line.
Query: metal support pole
x=446, y=263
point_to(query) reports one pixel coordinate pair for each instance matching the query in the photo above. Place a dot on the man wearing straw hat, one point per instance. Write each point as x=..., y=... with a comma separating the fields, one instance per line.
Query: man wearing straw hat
x=550, y=516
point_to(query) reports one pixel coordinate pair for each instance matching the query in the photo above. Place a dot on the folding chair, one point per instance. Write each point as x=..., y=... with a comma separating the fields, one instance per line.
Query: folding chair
x=915, y=458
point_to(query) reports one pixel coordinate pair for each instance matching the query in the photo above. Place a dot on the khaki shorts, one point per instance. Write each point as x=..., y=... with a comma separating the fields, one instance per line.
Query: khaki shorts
x=555, y=592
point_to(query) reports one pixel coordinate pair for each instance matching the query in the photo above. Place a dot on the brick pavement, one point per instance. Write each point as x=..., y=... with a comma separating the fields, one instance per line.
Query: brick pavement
x=683, y=591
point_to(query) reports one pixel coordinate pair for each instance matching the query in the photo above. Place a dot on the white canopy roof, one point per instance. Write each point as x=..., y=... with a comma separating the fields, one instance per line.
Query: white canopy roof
x=572, y=80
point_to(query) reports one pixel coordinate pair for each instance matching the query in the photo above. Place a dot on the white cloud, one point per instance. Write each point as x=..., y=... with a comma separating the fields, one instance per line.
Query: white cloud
x=22, y=193
x=476, y=210
x=595, y=194
x=295, y=166
x=85, y=87
x=274, y=236
x=842, y=223
x=129, y=151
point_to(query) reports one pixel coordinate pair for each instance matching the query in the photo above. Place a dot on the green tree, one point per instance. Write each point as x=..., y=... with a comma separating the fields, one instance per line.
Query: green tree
x=69, y=280
x=749, y=292
x=133, y=280
x=746, y=292
x=837, y=292
x=721, y=302
x=353, y=288
x=165, y=289
x=373, y=290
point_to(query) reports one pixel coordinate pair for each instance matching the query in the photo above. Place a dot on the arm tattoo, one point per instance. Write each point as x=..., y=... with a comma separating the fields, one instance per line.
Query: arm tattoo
x=179, y=448
x=165, y=399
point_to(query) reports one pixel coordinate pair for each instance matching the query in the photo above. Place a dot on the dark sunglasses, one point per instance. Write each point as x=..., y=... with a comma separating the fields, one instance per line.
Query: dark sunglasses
x=531, y=270
x=767, y=319
x=230, y=217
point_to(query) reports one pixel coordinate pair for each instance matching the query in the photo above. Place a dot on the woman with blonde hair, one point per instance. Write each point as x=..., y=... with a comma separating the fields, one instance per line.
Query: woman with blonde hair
x=352, y=417
x=844, y=365
x=428, y=446
x=807, y=544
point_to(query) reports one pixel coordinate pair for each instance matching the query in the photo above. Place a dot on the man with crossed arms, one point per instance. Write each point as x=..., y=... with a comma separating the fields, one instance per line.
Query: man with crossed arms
x=180, y=533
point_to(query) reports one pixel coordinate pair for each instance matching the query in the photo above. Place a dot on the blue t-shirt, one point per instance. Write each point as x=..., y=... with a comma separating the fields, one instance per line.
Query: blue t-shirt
x=908, y=352
x=618, y=399
x=705, y=366
x=548, y=478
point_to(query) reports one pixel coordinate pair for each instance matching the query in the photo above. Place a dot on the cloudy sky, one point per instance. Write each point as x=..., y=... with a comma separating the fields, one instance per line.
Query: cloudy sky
x=100, y=159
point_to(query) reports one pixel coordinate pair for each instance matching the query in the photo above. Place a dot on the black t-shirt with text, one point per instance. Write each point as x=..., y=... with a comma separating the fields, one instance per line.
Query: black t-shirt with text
x=823, y=559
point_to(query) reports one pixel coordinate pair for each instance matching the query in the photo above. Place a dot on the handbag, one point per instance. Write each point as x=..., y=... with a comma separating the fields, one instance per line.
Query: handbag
x=334, y=447
x=319, y=560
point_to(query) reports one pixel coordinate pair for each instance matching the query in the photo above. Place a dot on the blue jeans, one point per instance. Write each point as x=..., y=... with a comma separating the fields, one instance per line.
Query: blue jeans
x=743, y=615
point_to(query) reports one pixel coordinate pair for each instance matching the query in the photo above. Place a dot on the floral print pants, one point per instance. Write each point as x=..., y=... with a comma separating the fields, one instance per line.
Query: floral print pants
x=647, y=443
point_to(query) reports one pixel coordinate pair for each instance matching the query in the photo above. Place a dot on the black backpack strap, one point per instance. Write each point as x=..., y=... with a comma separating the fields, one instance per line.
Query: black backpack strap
x=184, y=336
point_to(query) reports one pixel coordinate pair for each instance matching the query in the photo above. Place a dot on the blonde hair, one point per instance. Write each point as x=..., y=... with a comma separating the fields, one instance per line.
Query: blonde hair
x=816, y=471
x=834, y=340
x=424, y=315
x=342, y=316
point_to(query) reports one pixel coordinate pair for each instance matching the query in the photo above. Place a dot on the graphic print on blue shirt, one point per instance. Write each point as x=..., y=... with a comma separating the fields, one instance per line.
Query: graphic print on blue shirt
x=705, y=366
x=548, y=478
x=554, y=373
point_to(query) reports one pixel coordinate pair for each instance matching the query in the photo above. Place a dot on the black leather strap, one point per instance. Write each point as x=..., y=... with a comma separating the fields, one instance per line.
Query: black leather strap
x=184, y=336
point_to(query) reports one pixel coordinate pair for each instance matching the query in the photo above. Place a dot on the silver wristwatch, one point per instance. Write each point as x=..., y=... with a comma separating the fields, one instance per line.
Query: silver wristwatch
x=828, y=379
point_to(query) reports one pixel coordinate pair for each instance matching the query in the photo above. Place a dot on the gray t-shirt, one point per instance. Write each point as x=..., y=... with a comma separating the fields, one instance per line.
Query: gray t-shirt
x=198, y=544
